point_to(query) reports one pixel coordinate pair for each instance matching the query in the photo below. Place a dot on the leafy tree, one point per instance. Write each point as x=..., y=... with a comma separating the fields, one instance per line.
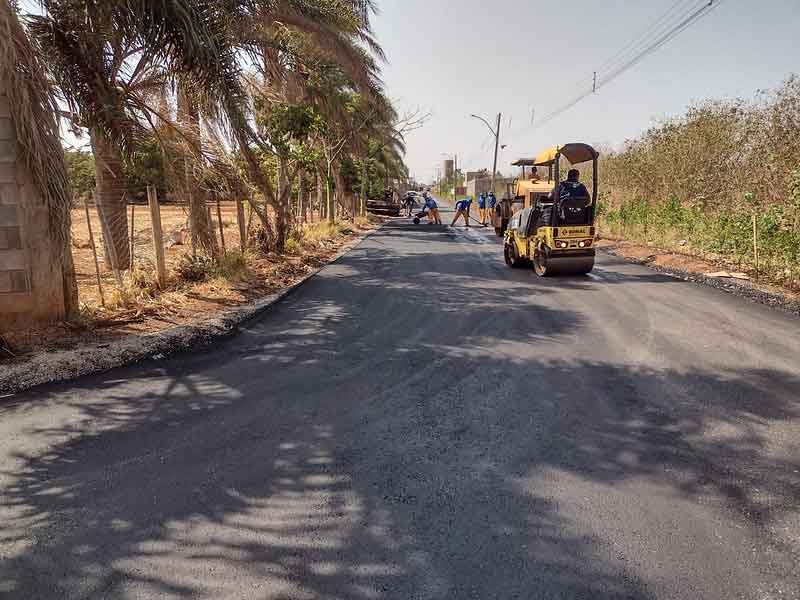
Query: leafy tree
x=80, y=171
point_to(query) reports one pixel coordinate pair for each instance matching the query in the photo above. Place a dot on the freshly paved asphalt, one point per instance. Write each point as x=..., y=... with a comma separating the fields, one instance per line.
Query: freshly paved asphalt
x=421, y=422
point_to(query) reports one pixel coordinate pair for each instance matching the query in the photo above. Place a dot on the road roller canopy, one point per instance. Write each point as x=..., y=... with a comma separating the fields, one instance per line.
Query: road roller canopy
x=575, y=153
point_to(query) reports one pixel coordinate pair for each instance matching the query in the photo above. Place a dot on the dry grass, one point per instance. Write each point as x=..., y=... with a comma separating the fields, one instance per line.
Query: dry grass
x=695, y=183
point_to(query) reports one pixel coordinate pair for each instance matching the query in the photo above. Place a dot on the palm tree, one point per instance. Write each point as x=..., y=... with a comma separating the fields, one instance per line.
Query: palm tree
x=107, y=57
x=291, y=44
x=105, y=75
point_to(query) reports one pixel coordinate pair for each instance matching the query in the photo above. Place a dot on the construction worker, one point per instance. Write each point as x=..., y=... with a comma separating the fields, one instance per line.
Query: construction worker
x=409, y=202
x=482, y=208
x=433, y=210
x=462, y=208
x=491, y=202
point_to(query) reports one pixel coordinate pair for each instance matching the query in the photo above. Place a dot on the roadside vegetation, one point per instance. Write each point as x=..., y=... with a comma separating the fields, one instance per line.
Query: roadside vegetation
x=706, y=182
x=261, y=128
x=278, y=107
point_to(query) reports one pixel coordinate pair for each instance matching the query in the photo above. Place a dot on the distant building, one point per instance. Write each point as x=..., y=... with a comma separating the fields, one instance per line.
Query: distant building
x=470, y=175
x=447, y=169
x=483, y=184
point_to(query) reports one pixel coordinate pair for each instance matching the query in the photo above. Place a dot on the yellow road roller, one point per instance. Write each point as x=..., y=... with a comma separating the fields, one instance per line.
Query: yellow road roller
x=520, y=194
x=555, y=233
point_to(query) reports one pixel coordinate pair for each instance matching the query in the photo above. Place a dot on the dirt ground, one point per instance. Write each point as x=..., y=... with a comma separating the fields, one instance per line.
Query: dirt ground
x=173, y=222
x=138, y=311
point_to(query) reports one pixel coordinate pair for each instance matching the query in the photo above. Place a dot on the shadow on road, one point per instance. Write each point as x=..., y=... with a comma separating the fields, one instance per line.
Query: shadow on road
x=337, y=449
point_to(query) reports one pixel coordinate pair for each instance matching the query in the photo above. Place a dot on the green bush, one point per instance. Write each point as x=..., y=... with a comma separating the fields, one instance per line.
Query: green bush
x=201, y=268
x=293, y=246
x=195, y=268
x=703, y=176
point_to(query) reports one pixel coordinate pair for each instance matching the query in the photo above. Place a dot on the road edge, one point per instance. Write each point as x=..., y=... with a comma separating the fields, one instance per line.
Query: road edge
x=61, y=366
x=746, y=290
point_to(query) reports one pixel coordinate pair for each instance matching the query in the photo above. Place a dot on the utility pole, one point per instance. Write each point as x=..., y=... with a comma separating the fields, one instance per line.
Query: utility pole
x=496, y=145
x=496, y=133
x=455, y=176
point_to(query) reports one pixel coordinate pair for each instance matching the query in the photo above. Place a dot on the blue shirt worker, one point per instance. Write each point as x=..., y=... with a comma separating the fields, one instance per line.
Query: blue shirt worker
x=482, y=208
x=492, y=202
x=462, y=208
x=433, y=210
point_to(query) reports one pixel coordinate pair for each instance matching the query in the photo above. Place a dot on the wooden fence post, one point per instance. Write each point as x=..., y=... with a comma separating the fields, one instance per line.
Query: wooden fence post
x=94, y=251
x=158, y=238
x=242, y=224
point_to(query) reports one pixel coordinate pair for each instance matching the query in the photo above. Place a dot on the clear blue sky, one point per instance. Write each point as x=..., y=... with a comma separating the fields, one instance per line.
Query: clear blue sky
x=472, y=56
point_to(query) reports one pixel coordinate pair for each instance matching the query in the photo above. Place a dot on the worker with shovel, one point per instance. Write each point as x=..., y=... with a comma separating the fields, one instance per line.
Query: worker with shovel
x=462, y=208
x=433, y=210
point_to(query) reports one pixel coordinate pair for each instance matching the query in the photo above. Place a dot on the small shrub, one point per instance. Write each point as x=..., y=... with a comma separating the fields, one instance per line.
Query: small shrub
x=293, y=246
x=144, y=280
x=363, y=222
x=259, y=239
x=321, y=232
x=195, y=268
x=202, y=268
x=231, y=266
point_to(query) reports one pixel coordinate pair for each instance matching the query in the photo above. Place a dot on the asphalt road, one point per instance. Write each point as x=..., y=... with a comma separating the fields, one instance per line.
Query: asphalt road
x=421, y=422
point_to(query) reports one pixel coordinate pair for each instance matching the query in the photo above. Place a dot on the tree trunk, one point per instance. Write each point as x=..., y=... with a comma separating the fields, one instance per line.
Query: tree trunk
x=261, y=181
x=280, y=208
x=110, y=200
x=341, y=196
x=302, y=197
x=364, y=174
x=202, y=230
x=320, y=194
x=203, y=236
x=330, y=204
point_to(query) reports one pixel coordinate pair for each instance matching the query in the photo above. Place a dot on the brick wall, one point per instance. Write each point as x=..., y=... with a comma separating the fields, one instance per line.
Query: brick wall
x=31, y=277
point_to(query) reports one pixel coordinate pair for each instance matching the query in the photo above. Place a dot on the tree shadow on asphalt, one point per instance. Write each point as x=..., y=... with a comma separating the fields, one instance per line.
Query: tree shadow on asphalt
x=275, y=463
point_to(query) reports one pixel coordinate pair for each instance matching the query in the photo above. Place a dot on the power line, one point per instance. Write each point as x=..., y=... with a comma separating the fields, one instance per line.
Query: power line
x=680, y=15
x=659, y=42
x=646, y=33
x=669, y=25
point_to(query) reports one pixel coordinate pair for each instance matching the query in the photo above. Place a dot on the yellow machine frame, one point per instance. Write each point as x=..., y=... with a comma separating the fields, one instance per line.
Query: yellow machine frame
x=521, y=194
x=552, y=248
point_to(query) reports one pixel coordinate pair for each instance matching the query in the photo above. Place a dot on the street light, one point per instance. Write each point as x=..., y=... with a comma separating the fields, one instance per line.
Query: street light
x=496, y=133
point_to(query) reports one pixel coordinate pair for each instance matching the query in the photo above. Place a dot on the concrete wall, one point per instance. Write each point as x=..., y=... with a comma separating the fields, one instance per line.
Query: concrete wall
x=31, y=278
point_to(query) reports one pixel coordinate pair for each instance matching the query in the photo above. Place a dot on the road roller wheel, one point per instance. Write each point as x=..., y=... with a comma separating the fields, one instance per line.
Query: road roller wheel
x=511, y=257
